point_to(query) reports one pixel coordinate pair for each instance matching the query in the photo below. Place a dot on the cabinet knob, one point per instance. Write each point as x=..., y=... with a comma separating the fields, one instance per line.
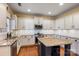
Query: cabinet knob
x=75, y=40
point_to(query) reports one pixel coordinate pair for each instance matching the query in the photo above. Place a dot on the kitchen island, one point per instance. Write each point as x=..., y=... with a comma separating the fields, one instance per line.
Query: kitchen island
x=51, y=47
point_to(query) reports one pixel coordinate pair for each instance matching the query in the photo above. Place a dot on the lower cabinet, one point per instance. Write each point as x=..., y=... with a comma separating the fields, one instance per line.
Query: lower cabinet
x=75, y=47
x=24, y=41
x=9, y=50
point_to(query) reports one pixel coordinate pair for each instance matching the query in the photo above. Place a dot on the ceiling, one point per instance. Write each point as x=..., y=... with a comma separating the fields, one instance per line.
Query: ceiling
x=42, y=8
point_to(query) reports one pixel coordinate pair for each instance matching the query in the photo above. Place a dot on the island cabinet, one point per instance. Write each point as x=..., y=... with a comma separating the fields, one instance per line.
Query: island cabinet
x=50, y=47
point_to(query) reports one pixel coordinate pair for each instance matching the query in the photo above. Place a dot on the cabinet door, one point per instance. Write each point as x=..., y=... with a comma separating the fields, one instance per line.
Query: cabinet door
x=27, y=41
x=20, y=23
x=59, y=23
x=36, y=20
x=25, y=23
x=29, y=24
x=68, y=22
x=12, y=24
x=77, y=45
x=53, y=24
x=3, y=20
x=74, y=46
x=76, y=20
x=47, y=24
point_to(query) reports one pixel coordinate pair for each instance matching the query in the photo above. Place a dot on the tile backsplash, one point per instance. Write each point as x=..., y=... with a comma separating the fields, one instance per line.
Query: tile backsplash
x=69, y=33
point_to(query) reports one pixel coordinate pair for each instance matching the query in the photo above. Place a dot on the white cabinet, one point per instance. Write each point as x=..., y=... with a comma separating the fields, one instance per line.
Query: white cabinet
x=74, y=47
x=24, y=41
x=28, y=24
x=3, y=20
x=77, y=47
x=36, y=20
x=48, y=24
x=13, y=22
x=20, y=24
x=68, y=22
x=52, y=24
x=25, y=23
x=59, y=23
x=8, y=50
x=76, y=20
x=5, y=51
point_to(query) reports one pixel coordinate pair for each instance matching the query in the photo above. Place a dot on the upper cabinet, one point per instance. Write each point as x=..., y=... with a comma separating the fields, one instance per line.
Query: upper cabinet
x=13, y=22
x=25, y=23
x=47, y=23
x=3, y=20
x=59, y=23
x=76, y=20
x=68, y=22
x=52, y=24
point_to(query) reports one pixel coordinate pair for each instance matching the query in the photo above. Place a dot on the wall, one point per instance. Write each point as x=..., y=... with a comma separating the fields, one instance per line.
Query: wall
x=5, y=14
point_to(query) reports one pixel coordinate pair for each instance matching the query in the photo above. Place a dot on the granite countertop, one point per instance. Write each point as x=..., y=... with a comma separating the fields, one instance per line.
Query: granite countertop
x=7, y=42
x=54, y=42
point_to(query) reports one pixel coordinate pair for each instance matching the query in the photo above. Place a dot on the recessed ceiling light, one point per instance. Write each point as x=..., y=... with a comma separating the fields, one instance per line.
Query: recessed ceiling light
x=28, y=10
x=49, y=13
x=61, y=4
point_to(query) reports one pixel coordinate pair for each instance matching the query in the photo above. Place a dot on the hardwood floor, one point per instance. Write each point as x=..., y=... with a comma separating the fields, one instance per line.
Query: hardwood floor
x=28, y=51
x=33, y=51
